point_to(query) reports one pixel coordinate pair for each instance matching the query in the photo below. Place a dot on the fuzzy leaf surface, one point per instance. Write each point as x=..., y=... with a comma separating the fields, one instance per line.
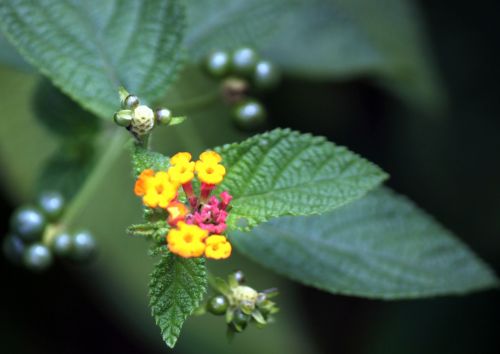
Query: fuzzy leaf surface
x=283, y=172
x=176, y=289
x=143, y=159
x=90, y=48
x=381, y=246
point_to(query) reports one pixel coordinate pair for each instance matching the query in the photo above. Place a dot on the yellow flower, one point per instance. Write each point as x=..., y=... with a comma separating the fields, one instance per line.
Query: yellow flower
x=159, y=190
x=210, y=156
x=182, y=172
x=210, y=172
x=187, y=240
x=217, y=247
x=180, y=157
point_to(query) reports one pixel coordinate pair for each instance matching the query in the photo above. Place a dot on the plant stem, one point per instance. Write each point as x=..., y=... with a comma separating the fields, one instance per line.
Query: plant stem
x=101, y=168
x=211, y=279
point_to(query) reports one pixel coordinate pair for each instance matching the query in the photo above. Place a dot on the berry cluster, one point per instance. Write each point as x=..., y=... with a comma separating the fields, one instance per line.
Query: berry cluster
x=35, y=235
x=244, y=74
x=241, y=304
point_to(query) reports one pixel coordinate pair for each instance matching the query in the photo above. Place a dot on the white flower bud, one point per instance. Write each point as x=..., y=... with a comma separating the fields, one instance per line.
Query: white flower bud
x=143, y=120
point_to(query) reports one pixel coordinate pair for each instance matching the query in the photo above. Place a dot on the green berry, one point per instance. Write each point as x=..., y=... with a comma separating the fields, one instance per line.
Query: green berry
x=123, y=118
x=249, y=115
x=84, y=246
x=163, y=116
x=266, y=75
x=131, y=102
x=217, y=305
x=62, y=245
x=52, y=204
x=239, y=276
x=37, y=257
x=13, y=249
x=240, y=319
x=218, y=64
x=28, y=222
x=243, y=61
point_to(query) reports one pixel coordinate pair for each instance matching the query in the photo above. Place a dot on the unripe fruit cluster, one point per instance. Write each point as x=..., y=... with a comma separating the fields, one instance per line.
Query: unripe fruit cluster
x=243, y=72
x=241, y=304
x=140, y=119
x=34, y=238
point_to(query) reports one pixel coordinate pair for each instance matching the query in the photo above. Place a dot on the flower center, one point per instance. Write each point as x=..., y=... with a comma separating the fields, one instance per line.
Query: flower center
x=210, y=170
x=188, y=238
x=159, y=188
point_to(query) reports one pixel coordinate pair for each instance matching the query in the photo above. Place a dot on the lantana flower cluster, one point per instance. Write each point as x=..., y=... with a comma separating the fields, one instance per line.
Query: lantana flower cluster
x=197, y=227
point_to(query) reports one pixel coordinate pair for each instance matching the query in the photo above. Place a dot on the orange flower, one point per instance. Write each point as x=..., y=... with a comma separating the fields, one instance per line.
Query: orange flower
x=140, y=185
x=177, y=212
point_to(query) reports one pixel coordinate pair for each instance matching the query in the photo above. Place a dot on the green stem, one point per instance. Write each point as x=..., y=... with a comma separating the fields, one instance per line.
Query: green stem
x=211, y=280
x=100, y=170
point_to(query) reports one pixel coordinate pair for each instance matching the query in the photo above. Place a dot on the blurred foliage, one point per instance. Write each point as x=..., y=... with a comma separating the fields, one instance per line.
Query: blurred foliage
x=24, y=154
x=67, y=169
x=381, y=246
x=63, y=116
x=325, y=39
x=10, y=57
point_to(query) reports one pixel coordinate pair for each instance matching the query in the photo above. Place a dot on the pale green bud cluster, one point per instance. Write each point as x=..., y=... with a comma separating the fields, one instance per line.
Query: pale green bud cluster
x=141, y=119
x=241, y=304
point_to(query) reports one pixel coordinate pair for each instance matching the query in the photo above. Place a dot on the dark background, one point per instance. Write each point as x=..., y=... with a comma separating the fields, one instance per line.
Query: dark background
x=448, y=164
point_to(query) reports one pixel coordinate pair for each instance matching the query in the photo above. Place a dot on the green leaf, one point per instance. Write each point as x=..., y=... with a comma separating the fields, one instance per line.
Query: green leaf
x=90, y=48
x=10, y=57
x=283, y=172
x=381, y=246
x=177, y=120
x=143, y=159
x=176, y=289
x=219, y=24
x=61, y=115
